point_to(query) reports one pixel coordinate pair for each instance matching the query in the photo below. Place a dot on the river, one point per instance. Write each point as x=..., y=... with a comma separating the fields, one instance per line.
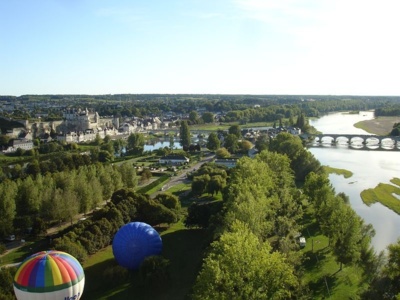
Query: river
x=369, y=169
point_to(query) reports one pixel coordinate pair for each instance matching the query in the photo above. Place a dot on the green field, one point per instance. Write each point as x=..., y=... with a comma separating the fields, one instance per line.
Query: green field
x=182, y=247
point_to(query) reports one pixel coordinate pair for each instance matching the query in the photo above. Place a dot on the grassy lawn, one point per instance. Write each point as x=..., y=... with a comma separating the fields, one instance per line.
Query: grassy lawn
x=345, y=173
x=179, y=188
x=182, y=246
x=23, y=250
x=321, y=271
x=384, y=194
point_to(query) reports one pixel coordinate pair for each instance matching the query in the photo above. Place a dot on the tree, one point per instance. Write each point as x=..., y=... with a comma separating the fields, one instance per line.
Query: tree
x=235, y=129
x=347, y=235
x=200, y=214
x=28, y=197
x=392, y=268
x=153, y=213
x=107, y=139
x=136, y=143
x=396, y=130
x=208, y=117
x=184, y=131
x=262, y=142
x=109, y=147
x=106, y=181
x=169, y=201
x=146, y=175
x=128, y=175
x=83, y=192
x=222, y=153
x=6, y=283
x=171, y=142
x=4, y=140
x=118, y=145
x=217, y=184
x=8, y=192
x=194, y=117
x=97, y=141
x=318, y=188
x=199, y=184
x=96, y=190
x=240, y=266
x=105, y=156
x=154, y=271
x=20, y=152
x=231, y=143
x=245, y=146
x=213, y=142
x=302, y=161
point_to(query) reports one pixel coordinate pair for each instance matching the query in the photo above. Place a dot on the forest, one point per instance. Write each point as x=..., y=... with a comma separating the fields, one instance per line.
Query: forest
x=141, y=105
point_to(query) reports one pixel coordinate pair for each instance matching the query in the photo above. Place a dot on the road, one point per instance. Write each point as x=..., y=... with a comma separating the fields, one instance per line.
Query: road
x=182, y=176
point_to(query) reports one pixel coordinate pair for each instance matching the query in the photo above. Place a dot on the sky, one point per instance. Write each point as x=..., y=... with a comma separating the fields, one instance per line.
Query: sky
x=318, y=47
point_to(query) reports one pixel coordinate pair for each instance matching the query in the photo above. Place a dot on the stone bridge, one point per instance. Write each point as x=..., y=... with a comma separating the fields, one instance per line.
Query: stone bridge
x=351, y=138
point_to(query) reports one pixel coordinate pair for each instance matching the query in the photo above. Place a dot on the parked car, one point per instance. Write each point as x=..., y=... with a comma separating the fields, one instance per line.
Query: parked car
x=302, y=242
x=10, y=238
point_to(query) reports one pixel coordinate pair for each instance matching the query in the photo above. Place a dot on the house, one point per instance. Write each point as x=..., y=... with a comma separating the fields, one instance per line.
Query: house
x=174, y=160
x=126, y=128
x=294, y=130
x=19, y=143
x=25, y=136
x=252, y=152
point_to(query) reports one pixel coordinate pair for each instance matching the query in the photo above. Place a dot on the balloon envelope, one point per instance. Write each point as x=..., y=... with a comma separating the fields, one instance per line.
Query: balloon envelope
x=49, y=275
x=134, y=242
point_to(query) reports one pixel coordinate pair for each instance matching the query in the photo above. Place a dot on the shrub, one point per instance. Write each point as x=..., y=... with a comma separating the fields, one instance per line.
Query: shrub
x=154, y=271
x=115, y=274
x=2, y=248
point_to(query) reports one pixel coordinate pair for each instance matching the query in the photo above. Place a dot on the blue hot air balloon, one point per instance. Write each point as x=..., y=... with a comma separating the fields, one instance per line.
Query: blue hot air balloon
x=134, y=242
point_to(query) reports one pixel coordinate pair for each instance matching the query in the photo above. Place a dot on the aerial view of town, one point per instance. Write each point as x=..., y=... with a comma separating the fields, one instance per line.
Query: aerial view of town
x=182, y=150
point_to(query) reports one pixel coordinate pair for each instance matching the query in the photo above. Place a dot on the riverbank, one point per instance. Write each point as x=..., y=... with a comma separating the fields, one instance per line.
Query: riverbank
x=379, y=125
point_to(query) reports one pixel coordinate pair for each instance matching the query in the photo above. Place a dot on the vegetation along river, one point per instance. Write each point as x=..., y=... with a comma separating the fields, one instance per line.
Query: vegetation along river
x=369, y=168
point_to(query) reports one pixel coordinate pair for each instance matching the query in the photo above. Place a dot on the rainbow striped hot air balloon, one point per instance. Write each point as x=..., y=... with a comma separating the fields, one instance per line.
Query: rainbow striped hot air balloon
x=49, y=275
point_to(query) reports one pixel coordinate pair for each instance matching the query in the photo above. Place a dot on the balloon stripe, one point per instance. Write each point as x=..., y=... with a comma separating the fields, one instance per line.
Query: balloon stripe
x=41, y=270
x=35, y=275
x=23, y=273
x=56, y=278
x=66, y=272
x=76, y=267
